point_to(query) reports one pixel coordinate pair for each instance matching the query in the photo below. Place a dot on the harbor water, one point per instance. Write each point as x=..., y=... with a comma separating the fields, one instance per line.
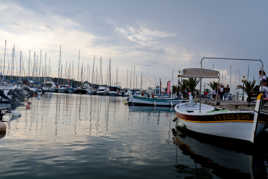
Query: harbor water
x=82, y=136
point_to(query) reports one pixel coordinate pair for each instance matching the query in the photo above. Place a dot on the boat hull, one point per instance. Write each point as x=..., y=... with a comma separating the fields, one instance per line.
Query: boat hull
x=159, y=102
x=236, y=125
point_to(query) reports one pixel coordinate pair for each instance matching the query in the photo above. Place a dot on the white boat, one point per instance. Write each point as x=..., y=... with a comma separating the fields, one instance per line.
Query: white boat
x=210, y=120
x=134, y=100
x=49, y=86
x=64, y=88
x=102, y=90
x=114, y=91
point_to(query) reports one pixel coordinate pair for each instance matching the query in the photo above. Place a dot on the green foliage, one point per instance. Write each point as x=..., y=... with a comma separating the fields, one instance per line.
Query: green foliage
x=248, y=86
x=174, y=89
x=213, y=85
x=188, y=85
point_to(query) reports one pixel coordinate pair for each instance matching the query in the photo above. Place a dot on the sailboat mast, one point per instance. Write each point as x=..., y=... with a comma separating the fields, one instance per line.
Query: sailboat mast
x=5, y=52
x=45, y=65
x=116, y=81
x=40, y=64
x=93, y=71
x=230, y=74
x=13, y=62
x=101, y=77
x=59, y=65
x=127, y=78
x=130, y=80
x=81, y=79
x=20, y=62
x=134, y=76
x=141, y=82
x=29, y=63
x=110, y=73
x=78, y=65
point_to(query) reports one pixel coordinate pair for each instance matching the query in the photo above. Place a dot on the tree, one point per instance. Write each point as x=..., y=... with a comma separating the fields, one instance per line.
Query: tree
x=213, y=85
x=188, y=85
x=175, y=89
x=248, y=87
x=192, y=83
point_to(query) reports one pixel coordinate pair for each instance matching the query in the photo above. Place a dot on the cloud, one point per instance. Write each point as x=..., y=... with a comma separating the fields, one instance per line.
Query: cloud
x=143, y=36
x=29, y=30
x=147, y=47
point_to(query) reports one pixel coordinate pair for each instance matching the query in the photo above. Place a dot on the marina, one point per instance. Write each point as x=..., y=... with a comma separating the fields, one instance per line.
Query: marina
x=76, y=136
x=133, y=89
x=81, y=128
x=70, y=136
x=85, y=128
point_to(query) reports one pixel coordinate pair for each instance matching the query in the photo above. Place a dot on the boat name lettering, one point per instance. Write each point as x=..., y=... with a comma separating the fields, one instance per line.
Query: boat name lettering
x=231, y=117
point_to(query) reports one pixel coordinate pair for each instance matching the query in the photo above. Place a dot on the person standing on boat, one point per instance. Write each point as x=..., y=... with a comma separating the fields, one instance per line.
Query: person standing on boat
x=262, y=76
x=264, y=88
x=226, y=91
x=221, y=91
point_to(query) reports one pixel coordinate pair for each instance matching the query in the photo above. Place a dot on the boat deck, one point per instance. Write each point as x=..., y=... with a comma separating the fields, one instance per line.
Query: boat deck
x=233, y=105
x=236, y=105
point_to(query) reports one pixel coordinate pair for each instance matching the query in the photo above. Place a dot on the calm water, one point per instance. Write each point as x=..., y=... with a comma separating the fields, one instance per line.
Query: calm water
x=74, y=136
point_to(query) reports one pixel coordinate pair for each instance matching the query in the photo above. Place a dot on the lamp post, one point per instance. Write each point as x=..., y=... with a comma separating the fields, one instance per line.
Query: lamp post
x=243, y=81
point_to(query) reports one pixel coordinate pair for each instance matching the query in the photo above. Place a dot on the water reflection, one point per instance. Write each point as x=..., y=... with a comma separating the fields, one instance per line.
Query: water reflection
x=67, y=115
x=223, y=161
x=76, y=137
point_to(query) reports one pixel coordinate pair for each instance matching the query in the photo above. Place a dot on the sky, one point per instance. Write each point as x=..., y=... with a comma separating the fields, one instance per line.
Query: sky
x=157, y=37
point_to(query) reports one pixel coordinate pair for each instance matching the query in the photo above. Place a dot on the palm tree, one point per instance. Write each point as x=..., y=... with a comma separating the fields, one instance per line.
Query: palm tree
x=188, y=85
x=175, y=89
x=192, y=83
x=213, y=85
x=248, y=87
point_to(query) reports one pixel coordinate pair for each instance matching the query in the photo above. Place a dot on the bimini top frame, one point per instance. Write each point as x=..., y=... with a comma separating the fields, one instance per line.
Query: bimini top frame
x=232, y=59
x=229, y=59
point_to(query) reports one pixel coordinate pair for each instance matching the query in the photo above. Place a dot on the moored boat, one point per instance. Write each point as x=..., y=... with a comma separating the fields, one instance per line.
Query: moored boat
x=211, y=120
x=102, y=90
x=153, y=101
x=49, y=86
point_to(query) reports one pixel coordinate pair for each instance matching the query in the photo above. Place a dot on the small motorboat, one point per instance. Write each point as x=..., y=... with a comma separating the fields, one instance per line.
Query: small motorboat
x=212, y=120
x=158, y=101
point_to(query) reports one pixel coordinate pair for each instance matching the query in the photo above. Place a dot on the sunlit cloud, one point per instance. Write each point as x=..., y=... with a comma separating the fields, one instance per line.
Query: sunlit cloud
x=142, y=45
x=143, y=36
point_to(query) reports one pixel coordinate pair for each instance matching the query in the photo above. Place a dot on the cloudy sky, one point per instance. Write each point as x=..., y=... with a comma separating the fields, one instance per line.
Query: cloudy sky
x=156, y=36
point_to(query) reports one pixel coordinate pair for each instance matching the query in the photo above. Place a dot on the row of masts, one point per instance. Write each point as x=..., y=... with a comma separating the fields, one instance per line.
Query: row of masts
x=37, y=63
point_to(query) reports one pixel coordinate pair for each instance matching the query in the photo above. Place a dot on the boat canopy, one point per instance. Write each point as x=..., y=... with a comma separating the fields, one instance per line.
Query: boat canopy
x=199, y=73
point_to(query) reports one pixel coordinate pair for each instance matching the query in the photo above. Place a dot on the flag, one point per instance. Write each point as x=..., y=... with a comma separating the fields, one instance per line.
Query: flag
x=168, y=88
